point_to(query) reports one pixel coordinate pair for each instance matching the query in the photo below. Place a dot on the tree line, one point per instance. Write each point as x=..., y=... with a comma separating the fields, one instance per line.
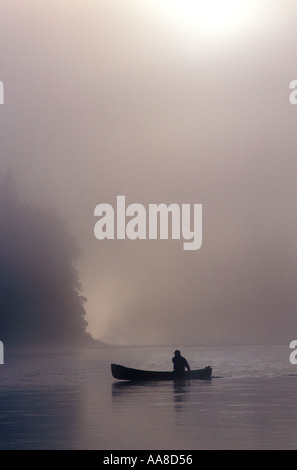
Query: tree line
x=41, y=299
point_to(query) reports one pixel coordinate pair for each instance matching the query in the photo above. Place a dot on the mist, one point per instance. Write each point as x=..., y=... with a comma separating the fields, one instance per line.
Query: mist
x=108, y=98
x=41, y=302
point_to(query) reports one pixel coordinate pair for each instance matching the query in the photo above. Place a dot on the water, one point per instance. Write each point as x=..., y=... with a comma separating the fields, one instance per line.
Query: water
x=68, y=400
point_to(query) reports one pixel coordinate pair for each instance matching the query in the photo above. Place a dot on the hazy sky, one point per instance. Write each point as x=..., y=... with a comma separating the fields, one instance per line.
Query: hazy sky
x=163, y=102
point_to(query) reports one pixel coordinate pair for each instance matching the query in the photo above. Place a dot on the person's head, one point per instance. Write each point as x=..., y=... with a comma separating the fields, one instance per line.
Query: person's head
x=177, y=353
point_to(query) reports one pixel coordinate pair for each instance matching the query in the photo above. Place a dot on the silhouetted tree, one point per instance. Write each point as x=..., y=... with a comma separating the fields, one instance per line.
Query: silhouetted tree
x=40, y=292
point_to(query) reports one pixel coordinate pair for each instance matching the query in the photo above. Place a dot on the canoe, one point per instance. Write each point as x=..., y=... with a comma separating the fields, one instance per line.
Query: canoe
x=125, y=373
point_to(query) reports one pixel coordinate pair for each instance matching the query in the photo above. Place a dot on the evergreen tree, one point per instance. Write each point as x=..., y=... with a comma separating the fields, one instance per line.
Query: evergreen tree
x=40, y=292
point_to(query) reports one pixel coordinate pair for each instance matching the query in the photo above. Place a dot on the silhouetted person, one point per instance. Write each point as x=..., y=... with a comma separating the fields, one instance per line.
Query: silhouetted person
x=180, y=363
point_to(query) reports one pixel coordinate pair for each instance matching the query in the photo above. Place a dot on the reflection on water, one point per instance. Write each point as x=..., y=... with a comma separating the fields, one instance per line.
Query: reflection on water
x=70, y=401
x=176, y=393
x=181, y=390
x=42, y=419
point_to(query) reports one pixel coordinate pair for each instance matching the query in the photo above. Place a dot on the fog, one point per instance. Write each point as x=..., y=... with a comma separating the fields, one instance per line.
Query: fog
x=108, y=97
x=40, y=301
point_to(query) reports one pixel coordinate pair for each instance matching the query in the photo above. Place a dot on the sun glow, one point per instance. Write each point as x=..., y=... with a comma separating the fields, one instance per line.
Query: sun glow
x=212, y=18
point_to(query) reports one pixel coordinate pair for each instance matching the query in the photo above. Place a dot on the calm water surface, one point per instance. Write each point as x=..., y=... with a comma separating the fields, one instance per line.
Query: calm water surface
x=68, y=400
